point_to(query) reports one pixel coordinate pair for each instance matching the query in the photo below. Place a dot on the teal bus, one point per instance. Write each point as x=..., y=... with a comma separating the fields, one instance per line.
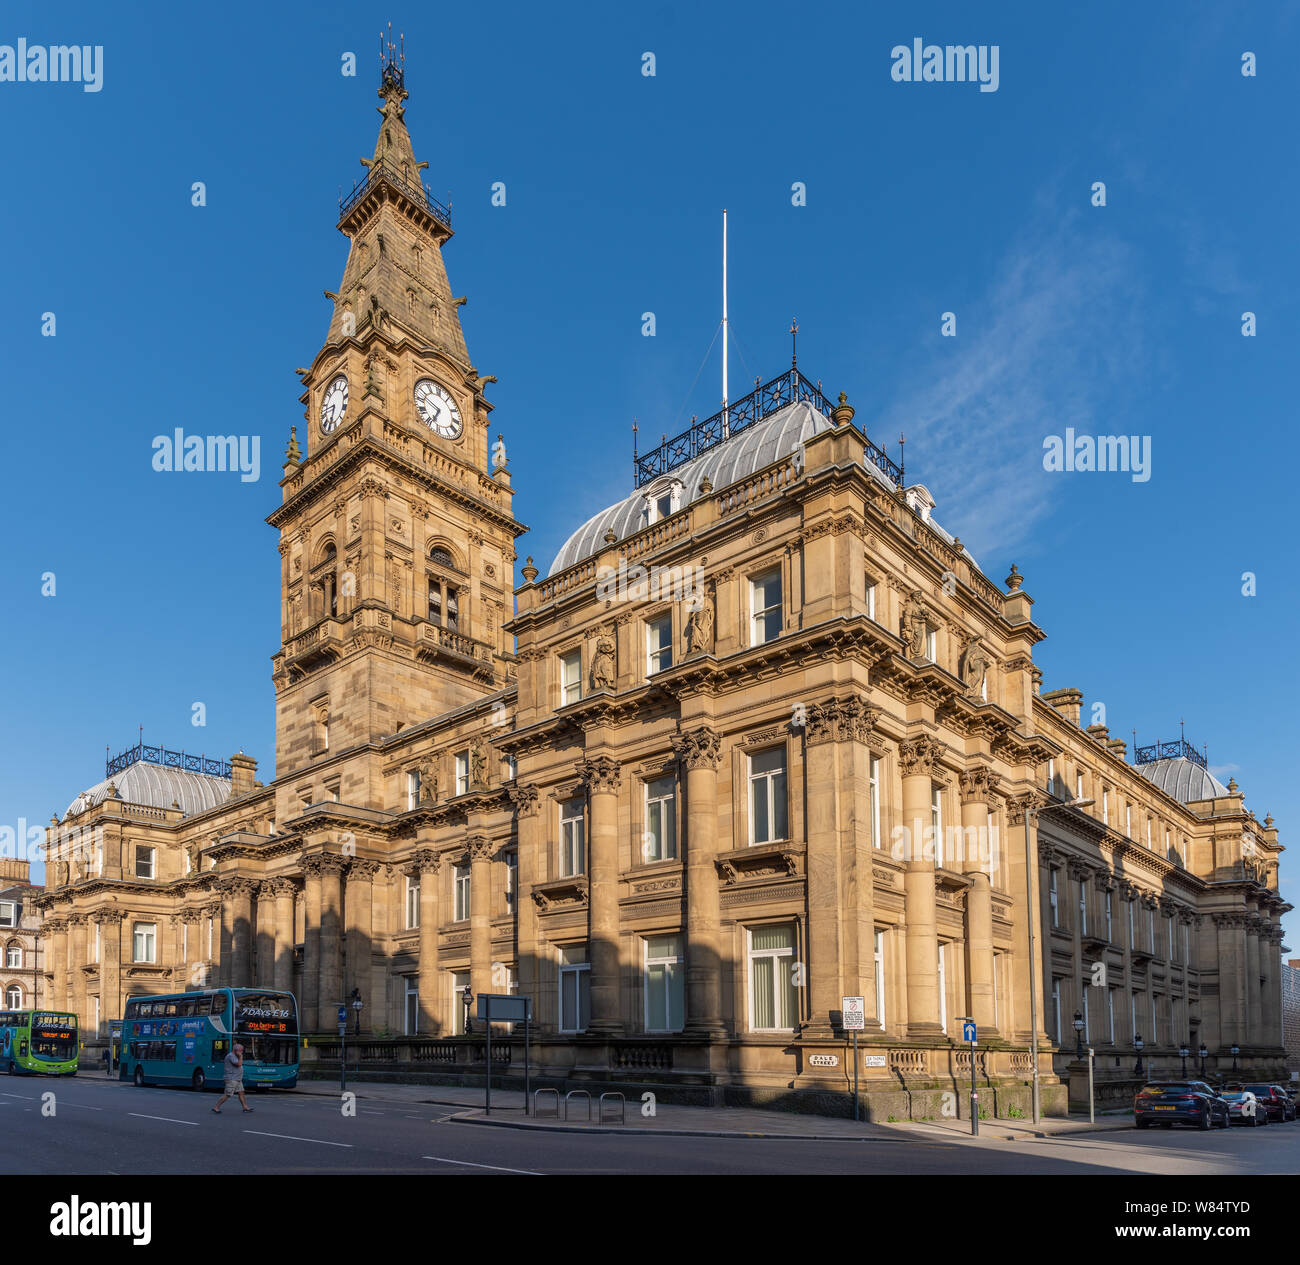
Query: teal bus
x=38, y=1043
x=183, y=1038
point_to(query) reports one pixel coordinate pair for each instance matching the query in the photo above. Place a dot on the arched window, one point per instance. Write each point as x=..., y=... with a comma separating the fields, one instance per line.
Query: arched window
x=13, y=997
x=14, y=956
x=444, y=593
x=441, y=556
x=327, y=579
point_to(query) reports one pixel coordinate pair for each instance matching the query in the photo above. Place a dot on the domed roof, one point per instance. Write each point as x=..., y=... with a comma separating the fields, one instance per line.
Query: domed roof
x=1183, y=779
x=159, y=787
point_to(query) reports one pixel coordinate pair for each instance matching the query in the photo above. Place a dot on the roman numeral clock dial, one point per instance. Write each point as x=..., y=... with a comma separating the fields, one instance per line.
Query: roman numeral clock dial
x=334, y=404
x=436, y=408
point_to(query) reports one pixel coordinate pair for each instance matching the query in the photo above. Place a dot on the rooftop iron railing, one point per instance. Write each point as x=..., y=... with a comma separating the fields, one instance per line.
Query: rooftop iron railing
x=1178, y=748
x=384, y=171
x=144, y=754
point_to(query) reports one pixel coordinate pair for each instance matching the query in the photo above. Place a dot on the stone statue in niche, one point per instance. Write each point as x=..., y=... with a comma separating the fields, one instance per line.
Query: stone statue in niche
x=974, y=666
x=429, y=782
x=699, y=624
x=602, y=664
x=915, y=626
x=477, y=764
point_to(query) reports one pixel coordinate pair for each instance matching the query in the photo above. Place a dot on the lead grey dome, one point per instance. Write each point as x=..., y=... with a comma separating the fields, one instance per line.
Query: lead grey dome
x=158, y=787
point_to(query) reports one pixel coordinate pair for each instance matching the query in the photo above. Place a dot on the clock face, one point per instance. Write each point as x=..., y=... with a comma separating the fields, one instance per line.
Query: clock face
x=437, y=409
x=334, y=404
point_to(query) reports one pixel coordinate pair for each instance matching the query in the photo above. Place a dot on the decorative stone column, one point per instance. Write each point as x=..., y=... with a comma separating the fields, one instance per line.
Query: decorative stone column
x=698, y=751
x=188, y=948
x=211, y=957
x=602, y=776
x=1254, y=993
x=480, y=849
x=56, y=961
x=917, y=758
x=111, y=1002
x=1025, y=896
x=1081, y=877
x=528, y=833
x=330, y=990
x=432, y=1016
x=1271, y=991
x=312, y=867
x=976, y=786
x=1229, y=931
x=76, y=960
x=264, y=939
x=237, y=930
x=282, y=976
x=359, y=907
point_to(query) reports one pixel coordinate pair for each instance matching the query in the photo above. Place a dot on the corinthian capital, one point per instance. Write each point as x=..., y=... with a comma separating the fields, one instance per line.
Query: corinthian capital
x=976, y=785
x=601, y=775
x=698, y=748
x=479, y=847
x=918, y=755
x=524, y=798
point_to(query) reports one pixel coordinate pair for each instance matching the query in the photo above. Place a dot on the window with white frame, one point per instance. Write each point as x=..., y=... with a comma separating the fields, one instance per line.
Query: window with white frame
x=1170, y=920
x=943, y=986
x=570, y=677
x=144, y=861
x=14, y=997
x=658, y=644
x=873, y=790
x=665, y=984
x=410, y=1005
x=1105, y=808
x=765, y=607
x=1133, y=1014
x=1078, y=785
x=509, y=768
x=767, y=796
x=879, y=969
x=1083, y=906
x=573, y=841
x=1056, y=1008
x=997, y=986
x=931, y=645
x=1128, y=820
x=871, y=598
x=1053, y=897
x=145, y=942
x=512, y=880
x=96, y=951
x=1151, y=928
x=460, y=893
x=1110, y=913
x=462, y=771
x=575, y=988
x=14, y=957
x=1087, y=1018
x=1110, y=1016
x=459, y=983
x=1149, y=843
x=936, y=822
x=210, y=922
x=412, y=901
x=660, y=842
x=413, y=789
x=773, y=997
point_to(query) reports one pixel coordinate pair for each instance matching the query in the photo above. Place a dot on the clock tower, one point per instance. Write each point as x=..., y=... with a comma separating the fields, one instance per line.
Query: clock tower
x=396, y=529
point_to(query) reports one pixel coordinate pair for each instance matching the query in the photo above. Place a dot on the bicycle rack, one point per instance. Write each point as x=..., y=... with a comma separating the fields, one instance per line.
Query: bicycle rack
x=570, y=1094
x=622, y=1106
x=537, y=1094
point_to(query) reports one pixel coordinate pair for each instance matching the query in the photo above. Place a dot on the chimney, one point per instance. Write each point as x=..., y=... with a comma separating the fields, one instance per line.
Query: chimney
x=243, y=768
x=14, y=871
x=1068, y=702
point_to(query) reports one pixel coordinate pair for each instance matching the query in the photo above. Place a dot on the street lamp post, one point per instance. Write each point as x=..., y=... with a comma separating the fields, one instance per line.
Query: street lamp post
x=1182, y=1054
x=1032, y=914
x=1078, y=1035
x=357, y=1004
x=466, y=998
x=1137, y=1045
x=1204, y=1053
x=1236, y=1049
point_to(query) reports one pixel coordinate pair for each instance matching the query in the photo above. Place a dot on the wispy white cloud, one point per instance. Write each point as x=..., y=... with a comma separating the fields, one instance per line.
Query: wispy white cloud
x=1053, y=339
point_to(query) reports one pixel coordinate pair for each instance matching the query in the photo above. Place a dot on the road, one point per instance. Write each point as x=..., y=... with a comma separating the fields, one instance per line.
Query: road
x=103, y=1126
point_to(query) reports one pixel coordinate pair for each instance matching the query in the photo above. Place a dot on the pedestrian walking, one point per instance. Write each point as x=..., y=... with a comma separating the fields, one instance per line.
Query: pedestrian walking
x=234, y=1069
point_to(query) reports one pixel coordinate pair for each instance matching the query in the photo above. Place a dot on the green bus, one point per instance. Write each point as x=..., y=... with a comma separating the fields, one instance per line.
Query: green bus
x=183, y=1038
x=38, y=1043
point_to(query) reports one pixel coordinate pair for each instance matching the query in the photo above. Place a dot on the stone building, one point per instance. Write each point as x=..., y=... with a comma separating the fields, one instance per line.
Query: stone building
x=22, y=984
x=1291, y=1016
x=763, y=736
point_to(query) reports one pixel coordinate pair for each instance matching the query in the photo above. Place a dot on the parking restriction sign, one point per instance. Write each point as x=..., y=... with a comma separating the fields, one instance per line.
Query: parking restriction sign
x=855, y=1014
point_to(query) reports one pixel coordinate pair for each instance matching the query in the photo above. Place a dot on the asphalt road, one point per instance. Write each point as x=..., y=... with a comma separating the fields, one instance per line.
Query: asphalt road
x=102, y=1126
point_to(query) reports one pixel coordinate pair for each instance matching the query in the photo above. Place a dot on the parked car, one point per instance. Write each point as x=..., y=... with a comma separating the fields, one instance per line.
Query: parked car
x=1244, y=1107
x=1168, y=1103
x=1272, y=1098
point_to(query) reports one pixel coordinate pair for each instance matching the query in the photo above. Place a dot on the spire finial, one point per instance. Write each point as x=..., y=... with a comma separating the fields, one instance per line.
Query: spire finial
x=794, y=343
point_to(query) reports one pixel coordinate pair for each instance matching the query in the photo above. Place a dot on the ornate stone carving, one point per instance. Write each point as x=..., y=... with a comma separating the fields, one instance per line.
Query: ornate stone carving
x=601, y=775
x=477, y=765
x=699, y=748
x=914, y=626
x=428, y=770
x=976, y=784
x=974, y=666
x=427, y=861
x=363, y=868
x=603, y=668
x=699, y=625
x=479, y=847
x=919, y=755
x=524, y=797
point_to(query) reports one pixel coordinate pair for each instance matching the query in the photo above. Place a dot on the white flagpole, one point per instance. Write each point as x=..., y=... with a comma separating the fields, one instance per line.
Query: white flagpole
x=725, y=420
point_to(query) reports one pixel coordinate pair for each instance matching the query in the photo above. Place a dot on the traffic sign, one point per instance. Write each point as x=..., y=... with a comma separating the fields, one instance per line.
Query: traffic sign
x=343, y=1015
x=854, y=1012
x=968, y=1031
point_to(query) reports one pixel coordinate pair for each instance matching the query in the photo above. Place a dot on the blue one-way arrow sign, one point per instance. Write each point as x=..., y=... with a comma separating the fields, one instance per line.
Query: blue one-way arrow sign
x=968, y=1031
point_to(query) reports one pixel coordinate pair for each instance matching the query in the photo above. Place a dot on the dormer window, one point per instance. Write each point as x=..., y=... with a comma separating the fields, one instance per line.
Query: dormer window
x=663, y=499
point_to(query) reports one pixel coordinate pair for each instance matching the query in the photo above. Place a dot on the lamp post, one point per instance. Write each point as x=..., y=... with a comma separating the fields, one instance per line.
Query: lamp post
x=1078, y=1035
x=1182, y=1054
x=466, y=997
x=1032, y=913
x=1236, y=1049
x=1137, y=1045
x=357, y=1003
x=1204, y=1053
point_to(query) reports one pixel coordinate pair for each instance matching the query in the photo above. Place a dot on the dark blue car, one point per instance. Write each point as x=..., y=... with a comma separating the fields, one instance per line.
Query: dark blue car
x=1168, y=1103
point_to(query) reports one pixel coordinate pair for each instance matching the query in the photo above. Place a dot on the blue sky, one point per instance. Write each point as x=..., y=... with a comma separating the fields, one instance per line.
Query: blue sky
x=922, y=198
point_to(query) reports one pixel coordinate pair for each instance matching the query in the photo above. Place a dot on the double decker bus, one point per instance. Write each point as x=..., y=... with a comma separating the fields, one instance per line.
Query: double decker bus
x=38, y=1042
x=183, y=1038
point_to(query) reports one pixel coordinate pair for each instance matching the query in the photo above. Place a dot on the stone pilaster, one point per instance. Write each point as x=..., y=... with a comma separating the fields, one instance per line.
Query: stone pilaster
x=602, y=776
x=433, y=1016
x=311, y=1000
x=529, y=834
x=282, y=975
x=359, y=907
x=917, y=759
x=111, y=1001
x=237, y=930
x=976, y=785
x=330, y=989
x=480, y=850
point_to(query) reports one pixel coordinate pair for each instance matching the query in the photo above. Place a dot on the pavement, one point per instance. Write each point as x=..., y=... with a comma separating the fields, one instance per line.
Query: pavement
x=668, y=1119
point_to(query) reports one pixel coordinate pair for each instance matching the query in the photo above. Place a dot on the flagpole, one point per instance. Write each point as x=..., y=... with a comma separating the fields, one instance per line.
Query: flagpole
x=726, y=424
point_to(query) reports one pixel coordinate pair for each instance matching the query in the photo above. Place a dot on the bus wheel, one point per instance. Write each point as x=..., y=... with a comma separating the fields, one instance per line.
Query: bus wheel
x=200, y=1081
x=139, y=1076
x=13, y=1071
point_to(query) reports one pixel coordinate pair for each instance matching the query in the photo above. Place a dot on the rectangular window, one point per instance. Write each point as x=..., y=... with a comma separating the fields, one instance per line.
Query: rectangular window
x=765, y=607
x=462, y=772
x=1149, y=843
x=1133, y=1014
x=1151, y=928
x=1105, y=808
x=412, y=902
x=874, y=792
x=936, y=822
x=871, y=599
x=1110, y=911
x=145, y=942
x=1078, y=786
x=1128, y=820
x=665, y=984
x=98, y=927
x=1087, y=1032
x=1053, y=897
x=411, y=1005
x=412, y=789
x=1056, y=1009
x=573, y=850
x=1083, y=906
x=773, y=998
x=509, y=769
x=512, y=880
x=880, y=977
x=144, y=861
x=575, y=989
x=1110, y=1016
x=570, y=677
x=995, y=858
x=1187, y=952
x=943, y=987
x=459, y=983
x=1155, y=1015
x=660, y=842
x=659, y=644
x=931, y=645
x=997, y=986
x=1171, y=937
x=460, y=886
x=767, y=796
x=1131, y=945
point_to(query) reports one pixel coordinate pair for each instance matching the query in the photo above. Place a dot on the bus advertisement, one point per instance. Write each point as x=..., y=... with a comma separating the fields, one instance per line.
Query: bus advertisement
x=183, y=1038
x=38, y=1043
